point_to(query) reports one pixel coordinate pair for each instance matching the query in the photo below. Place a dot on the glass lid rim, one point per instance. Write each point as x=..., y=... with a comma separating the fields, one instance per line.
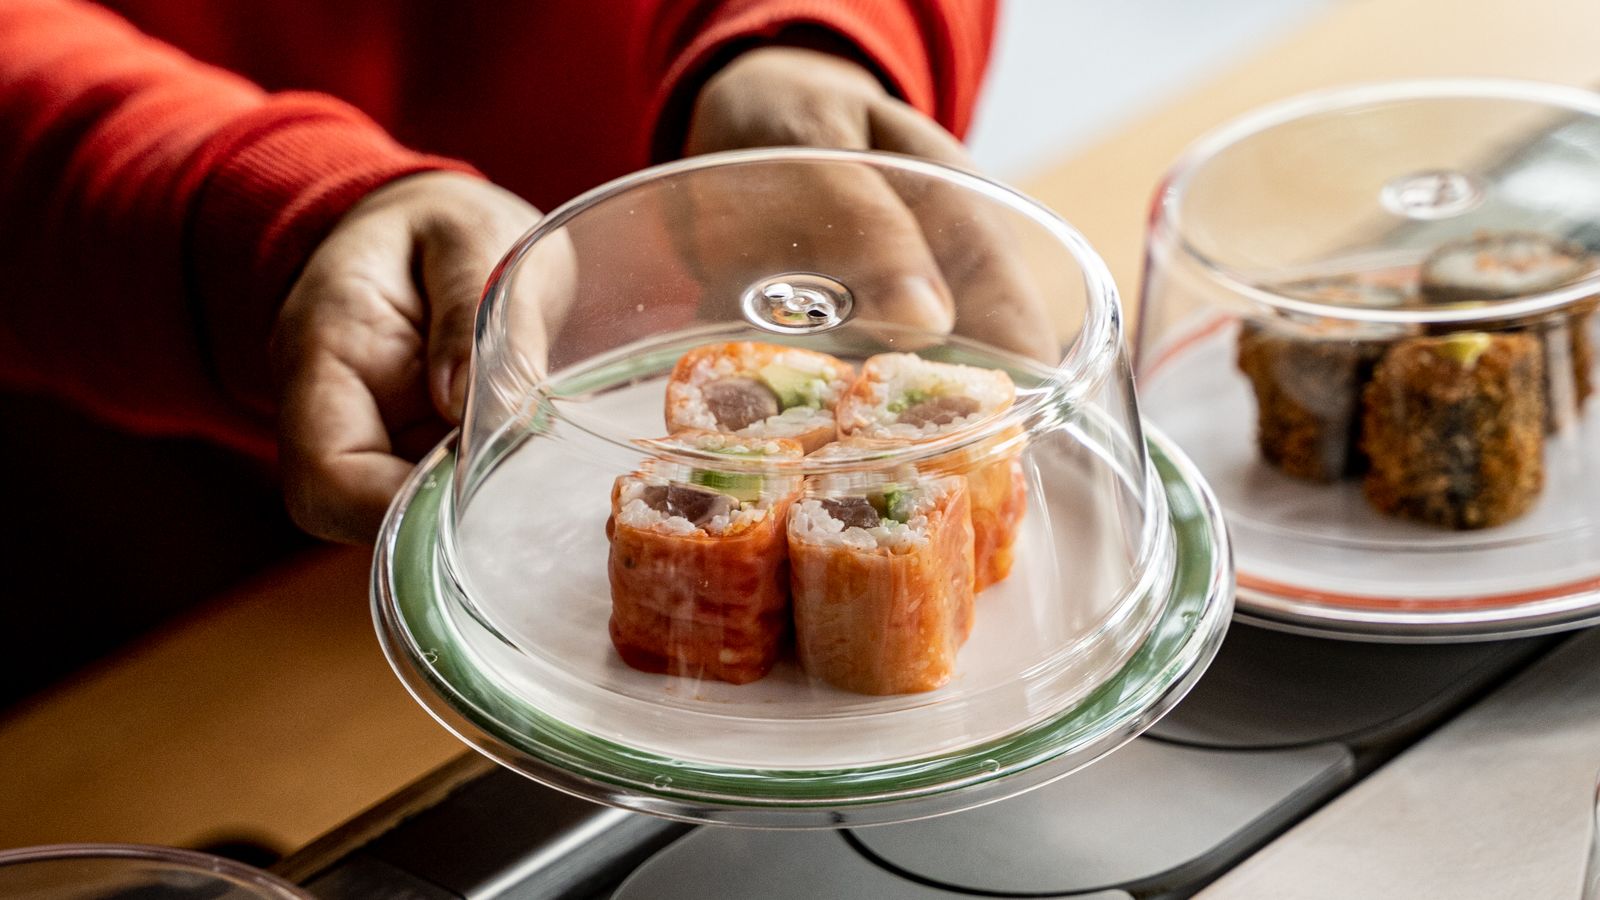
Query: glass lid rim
x=992, y=434
x=1092, y=349
x=1203, y=150
x=192, y=860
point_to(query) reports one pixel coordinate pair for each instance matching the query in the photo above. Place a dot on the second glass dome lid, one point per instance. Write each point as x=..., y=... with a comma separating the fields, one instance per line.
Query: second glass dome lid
x=803, y=465
x=1369, y=317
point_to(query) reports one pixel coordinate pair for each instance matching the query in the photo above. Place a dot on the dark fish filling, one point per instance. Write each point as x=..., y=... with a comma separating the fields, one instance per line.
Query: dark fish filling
x=939, y=410
x=737, y=403
x=854, y=512
x=698, y=505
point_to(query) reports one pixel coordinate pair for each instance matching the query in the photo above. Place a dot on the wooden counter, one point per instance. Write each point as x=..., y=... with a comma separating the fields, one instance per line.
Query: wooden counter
x=272, y=713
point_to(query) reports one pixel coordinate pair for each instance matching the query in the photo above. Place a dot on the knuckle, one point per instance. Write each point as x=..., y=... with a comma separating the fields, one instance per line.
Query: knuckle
x=452, y=326
x=492, y=215
x=352, y=321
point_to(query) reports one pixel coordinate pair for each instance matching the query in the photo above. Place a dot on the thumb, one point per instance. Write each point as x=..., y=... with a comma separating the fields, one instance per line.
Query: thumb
x=456, y=261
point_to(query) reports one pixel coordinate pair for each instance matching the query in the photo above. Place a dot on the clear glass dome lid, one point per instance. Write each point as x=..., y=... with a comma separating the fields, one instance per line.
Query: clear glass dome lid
x=99, y=871
x=861, y=253
x=787, y=473
x=1367, y=314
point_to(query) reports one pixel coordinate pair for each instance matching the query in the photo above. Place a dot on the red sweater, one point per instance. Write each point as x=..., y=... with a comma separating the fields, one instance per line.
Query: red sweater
x=155, y=205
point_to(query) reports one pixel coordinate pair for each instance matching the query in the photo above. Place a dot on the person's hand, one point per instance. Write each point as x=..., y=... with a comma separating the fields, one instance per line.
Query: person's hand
x=912, y=255
x=371, y=347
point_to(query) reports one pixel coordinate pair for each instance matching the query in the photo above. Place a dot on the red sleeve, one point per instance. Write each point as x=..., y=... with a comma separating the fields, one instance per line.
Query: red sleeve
x=153, y=213
x=930, y=53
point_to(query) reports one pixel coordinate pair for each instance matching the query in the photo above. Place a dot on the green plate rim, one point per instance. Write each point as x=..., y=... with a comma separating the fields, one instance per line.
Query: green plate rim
x=408, y=616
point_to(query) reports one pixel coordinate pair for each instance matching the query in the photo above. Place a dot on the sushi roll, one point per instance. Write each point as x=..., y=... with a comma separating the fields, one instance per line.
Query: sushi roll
x=903, y=398
x=1454, y=429
x=1568, y=365
x=1504, y=265
x=1308, y=400
x=1493, y=265
x=1308, y=387
x=699, y=561
x=882, y=580
x=759, y=391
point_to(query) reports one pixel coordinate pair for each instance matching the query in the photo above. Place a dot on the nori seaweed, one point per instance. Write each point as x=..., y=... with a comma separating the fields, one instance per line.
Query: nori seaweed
x=1454, y=441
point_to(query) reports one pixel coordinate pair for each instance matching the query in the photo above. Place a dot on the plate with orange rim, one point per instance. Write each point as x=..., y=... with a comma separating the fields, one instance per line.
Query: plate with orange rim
x=1317, y=559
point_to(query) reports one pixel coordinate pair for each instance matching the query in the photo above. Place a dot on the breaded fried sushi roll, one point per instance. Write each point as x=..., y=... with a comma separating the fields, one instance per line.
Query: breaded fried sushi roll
x=1308, y=400
x=1494, y=265
x=1454, y=429
x=1308, y=387
x=882, y=580
x=699, y=561
x=903, y=398
x=758, y=390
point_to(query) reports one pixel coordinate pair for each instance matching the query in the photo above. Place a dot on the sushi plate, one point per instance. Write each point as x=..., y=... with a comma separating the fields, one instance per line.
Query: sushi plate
x=453, y=664
x=1317, y=559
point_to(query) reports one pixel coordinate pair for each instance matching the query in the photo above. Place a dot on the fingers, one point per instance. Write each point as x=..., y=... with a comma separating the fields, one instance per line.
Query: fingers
x=838, y=219
x=996, y=298
x=349, y=364
x=347, y=356
x=535, y=305
x=457, y=254
x=455, y=266
x=339, y=468
x=912, y=253
x=371, y=346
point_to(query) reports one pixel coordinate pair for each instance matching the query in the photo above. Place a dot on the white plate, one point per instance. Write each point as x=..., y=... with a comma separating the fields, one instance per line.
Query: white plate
x=536, y=573
x=434, y=648
x=1320, y=555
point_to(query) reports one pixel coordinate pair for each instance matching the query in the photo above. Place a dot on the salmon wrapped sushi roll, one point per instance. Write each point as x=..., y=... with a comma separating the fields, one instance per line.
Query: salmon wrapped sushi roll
x=882, y=580
x=903, y=398
x=758, y=390
x=699, y=562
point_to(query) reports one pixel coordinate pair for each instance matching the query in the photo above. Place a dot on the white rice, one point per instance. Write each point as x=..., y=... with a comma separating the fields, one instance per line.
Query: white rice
x=772, y=485
x=635, y=513
x=834, y=484
x=791, y=423
x=811, y=523
x=730, y=444
x=888, y=376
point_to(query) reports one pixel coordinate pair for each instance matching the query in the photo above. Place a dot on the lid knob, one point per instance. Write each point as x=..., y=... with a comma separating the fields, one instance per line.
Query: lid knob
x=797, y=303
x=1432, y=194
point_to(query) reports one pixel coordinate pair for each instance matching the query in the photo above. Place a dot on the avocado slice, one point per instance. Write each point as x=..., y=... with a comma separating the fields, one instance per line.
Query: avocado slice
x=894, y=503
x=907, y=400
x=1465, y=348
x=741, y=486
x=793, y=387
